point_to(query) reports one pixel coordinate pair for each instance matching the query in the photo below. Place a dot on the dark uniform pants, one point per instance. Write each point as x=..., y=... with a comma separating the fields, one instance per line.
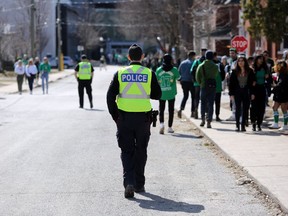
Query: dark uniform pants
x=133, y=133
x=81, y=85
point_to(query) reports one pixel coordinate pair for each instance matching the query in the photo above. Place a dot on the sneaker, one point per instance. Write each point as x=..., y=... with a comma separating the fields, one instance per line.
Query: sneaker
x=139, y=189
x=170, y=130
x=283, y=128
x=161, y=131
x=129, y=191
x=274, y=126
x=179, y=114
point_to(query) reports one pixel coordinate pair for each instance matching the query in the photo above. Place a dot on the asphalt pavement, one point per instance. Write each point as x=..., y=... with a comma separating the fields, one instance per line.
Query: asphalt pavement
x=263, y=155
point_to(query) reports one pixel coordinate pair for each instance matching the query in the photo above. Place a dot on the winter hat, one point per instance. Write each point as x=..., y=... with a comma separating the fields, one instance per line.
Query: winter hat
x=209, y=55
x=167, y=62
x=135, y=52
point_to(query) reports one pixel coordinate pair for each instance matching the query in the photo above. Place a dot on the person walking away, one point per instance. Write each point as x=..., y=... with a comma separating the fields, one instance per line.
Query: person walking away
x=259, y=103
x=128, y=100
x=37, y=64
x=20, y=71
x=269, y=80
x=45, y=69
x=31, y=71
x=228, y=69
x=219, y=78
x=167, y=76
x=224, y=62
x=196, y=85
x=84, y=75
x=187, y=84
x=25, y=60
x=280, y=96
x=206, y=77
x=241, y=89
x=102, y=63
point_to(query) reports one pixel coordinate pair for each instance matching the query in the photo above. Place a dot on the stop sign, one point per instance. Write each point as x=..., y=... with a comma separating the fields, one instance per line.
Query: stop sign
x=240, y=43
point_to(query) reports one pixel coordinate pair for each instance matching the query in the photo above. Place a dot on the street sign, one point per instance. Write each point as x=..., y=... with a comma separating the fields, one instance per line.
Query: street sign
x=240, y=43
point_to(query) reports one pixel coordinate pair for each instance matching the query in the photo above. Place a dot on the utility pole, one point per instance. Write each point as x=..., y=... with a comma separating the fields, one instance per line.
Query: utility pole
x=60, y=57
x=32, y=27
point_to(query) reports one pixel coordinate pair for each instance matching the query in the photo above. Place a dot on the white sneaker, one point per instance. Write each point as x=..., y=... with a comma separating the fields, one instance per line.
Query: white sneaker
x=170, y=130
x=274, y=126
x=161, y=131
x=283, y=128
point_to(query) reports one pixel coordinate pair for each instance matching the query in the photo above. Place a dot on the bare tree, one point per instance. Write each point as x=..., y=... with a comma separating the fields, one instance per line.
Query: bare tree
x=168, y=22
x=88, y=31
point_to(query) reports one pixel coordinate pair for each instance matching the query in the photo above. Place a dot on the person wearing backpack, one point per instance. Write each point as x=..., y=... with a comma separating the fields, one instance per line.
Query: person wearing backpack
x=206, y=77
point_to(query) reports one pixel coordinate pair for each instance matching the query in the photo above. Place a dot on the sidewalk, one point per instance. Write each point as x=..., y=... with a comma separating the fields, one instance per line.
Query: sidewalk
x=12, y=88
x=264, y=155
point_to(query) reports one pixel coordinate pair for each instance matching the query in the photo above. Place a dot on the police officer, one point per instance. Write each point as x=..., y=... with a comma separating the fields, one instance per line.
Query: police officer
x=128, y=100
x=84, y=76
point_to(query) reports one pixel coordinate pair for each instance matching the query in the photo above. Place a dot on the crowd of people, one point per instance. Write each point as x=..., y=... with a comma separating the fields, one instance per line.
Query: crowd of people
x=250, y=82
x=31, y=70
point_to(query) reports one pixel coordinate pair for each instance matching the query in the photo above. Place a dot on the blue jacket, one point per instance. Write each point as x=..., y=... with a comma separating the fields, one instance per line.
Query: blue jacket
x=184, y=70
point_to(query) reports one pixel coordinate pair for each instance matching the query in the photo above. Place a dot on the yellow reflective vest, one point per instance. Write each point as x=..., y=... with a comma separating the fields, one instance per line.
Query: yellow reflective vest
x=134, y=89
x=84, y=72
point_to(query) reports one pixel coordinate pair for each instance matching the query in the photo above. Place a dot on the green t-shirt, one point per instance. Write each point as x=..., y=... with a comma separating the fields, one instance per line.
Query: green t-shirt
x=45, y=67
x=167, y=81
x=260, y=77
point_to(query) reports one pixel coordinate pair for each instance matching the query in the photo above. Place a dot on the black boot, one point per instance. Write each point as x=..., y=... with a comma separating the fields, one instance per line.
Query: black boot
x=254, y=127
x=243, y=128
x=237, y=127
x=202, y=123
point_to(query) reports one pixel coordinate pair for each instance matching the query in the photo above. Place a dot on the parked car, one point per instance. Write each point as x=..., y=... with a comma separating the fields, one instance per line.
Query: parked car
x=68, y=62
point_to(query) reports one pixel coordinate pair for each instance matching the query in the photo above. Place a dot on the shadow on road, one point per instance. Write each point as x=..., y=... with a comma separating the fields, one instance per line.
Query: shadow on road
x=187, y=136
x=162, y=204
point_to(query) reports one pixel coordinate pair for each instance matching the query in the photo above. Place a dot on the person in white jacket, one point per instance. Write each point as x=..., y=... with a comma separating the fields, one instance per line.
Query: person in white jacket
x=20, y=71
x=31, y=71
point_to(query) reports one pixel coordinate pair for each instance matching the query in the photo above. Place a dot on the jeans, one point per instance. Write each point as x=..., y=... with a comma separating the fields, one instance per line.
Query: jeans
x=196, y=97
x=31, y=81
x=170, y=110
x=217, y=103
x=20, y=78
x=207, y=101
x=45, y=78
x=187, y=87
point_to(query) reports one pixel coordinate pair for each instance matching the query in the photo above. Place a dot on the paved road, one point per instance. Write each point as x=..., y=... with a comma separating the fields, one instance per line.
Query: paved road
x=57, y=159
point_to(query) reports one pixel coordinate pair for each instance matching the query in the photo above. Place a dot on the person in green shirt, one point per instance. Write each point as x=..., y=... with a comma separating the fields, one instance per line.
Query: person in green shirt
x=45, y=69
x=258, y=103
x=207, y=71
x=167, y=75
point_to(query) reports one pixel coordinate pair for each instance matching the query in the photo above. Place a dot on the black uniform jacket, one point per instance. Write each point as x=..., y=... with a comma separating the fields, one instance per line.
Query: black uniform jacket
x=113, y=91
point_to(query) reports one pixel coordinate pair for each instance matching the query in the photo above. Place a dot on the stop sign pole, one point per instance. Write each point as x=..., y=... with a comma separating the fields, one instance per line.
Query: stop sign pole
x=240, y=43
